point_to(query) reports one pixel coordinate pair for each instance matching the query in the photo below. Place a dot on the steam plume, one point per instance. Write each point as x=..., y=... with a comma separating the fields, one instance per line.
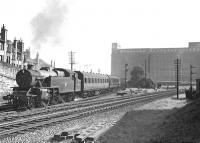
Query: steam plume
x=46, y=24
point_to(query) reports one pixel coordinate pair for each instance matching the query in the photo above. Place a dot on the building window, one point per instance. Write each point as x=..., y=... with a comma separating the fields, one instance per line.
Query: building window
x=1, y=47
x=1, y=57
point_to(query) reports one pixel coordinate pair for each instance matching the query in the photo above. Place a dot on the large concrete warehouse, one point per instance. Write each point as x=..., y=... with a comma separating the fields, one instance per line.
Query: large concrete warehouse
x=159, y=61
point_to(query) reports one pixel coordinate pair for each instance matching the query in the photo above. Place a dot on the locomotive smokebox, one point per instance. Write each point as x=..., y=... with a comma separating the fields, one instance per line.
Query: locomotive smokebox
x=26, y=78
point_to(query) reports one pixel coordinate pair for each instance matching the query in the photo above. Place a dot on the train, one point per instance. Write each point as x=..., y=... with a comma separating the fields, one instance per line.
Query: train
x=49, y=86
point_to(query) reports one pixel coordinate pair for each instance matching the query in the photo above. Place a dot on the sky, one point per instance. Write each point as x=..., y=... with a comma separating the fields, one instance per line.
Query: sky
x=89, y=27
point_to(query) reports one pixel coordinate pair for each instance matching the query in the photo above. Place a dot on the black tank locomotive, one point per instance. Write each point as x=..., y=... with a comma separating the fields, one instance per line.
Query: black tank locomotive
x=44, y=87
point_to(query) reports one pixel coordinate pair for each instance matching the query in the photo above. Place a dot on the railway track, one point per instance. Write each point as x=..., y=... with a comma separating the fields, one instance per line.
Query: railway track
x=23, y=124
x=60, y=107
x=10, y=114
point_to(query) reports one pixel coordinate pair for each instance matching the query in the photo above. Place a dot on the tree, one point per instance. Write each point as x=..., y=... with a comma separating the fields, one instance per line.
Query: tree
x=146, y=83
x=138, y=79
x=136, y=75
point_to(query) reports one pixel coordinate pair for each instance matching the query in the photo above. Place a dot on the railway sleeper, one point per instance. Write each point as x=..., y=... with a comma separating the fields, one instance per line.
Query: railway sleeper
x=7, y=128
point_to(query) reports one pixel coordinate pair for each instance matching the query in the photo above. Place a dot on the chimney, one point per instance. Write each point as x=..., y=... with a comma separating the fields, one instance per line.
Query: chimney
x=51, y=63
x=37, y=60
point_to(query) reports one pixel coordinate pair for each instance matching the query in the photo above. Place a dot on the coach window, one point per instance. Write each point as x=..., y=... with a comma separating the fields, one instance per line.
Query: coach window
x=85, y=80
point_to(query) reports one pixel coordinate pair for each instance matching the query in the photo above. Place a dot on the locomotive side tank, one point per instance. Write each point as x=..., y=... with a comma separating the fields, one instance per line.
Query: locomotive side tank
x=67, y=81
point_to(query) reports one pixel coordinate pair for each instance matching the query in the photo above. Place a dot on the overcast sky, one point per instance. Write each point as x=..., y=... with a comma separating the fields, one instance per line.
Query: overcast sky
x=88, y=27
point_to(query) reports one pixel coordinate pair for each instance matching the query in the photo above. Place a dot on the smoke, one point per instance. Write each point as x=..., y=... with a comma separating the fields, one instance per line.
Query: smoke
x=46, y=25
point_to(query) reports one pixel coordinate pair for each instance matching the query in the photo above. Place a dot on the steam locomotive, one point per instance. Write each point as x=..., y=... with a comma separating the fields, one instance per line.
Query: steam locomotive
x=45, y=87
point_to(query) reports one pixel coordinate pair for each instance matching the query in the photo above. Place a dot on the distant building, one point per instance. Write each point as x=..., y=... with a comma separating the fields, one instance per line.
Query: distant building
x=159, y=61
x=13, y=53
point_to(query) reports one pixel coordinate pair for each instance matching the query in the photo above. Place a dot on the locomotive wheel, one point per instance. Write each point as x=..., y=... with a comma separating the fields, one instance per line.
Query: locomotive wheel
x=30, y=102
x=61, y=100
x=55, y=100
x=15, y=104
x=45, y=103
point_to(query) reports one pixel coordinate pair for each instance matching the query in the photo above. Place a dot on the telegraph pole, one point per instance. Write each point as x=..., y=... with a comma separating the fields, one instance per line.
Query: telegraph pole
x=145, y=72
x=71, y=59
x=177, y=64
x=126, y=69
x=191, y=77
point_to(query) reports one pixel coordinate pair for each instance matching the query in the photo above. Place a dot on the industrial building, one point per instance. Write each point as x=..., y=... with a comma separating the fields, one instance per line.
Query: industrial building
x=158, y=63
